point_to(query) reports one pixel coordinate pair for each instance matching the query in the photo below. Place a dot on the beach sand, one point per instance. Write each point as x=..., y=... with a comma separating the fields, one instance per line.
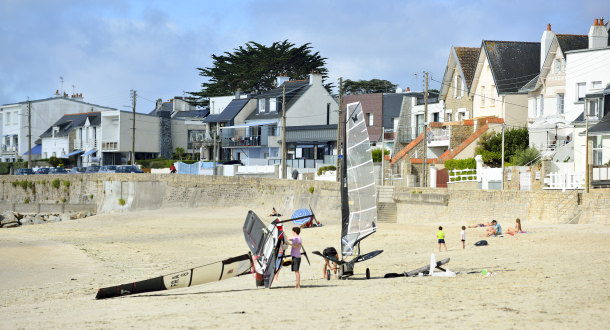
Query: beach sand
x=554, y=276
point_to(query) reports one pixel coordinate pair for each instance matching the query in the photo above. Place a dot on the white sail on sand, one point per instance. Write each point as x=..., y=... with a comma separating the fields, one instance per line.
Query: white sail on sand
x=358, y=193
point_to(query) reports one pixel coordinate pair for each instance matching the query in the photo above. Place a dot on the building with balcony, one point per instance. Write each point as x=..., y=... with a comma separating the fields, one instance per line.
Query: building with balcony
x=14, y=121
x=74, y=137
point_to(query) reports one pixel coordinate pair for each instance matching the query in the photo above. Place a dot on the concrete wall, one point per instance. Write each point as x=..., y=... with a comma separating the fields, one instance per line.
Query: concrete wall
x=154, y=191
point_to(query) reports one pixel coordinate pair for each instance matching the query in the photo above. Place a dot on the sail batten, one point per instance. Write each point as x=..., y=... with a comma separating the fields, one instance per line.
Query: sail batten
x=358, y=194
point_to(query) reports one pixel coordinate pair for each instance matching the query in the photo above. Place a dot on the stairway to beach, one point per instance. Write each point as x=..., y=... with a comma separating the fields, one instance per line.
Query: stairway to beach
x=386, y=207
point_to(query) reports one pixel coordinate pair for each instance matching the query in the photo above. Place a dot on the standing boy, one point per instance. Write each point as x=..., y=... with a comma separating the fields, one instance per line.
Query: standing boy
x=296, y=243
x=441, y=238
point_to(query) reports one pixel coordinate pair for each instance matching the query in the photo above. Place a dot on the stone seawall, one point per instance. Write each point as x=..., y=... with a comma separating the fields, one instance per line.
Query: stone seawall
x=132, y=192
x=475, y=206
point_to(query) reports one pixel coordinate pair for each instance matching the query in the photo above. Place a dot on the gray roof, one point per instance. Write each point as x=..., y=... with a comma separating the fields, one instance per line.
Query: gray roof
x=197, y=114
x=512, y=64
x=67, y=123
x=60, y=98
x=294, y=90
x=602, y=127
x=391, y=109
x=229, y=113
x=569, y=42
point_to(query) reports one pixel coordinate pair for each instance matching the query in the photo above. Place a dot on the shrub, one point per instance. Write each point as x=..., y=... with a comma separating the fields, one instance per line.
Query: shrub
x=324, y=169
x=55, y=183
x=15, y=184
x=31, y=184
x=66, y=183
x=54, y=161
x=121, y=201
x=525, y=157
x=23, y=184
x=311, y=190
x=460, y=164
x=376, y=154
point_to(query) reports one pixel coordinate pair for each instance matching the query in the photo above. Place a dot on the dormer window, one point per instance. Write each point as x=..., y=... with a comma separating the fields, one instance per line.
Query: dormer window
x=55, y=131
x=261, y=105
x=272, y=104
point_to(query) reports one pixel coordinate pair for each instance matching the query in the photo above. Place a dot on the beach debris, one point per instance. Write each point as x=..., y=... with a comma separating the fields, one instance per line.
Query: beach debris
x=433, y=265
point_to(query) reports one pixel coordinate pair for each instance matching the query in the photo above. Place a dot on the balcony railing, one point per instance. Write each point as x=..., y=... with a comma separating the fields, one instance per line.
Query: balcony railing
x=9, y=148
x=241, y=142
x=110, y=145
x=85, y=144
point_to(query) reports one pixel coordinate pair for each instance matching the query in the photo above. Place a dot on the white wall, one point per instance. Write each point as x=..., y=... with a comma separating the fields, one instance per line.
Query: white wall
x=584, y=66
x=310, y=108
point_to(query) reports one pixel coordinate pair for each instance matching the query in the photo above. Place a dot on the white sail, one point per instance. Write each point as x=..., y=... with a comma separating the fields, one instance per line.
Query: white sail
x=360, y=215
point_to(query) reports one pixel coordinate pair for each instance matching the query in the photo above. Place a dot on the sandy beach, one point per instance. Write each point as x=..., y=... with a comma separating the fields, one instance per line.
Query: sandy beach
x=554, y=276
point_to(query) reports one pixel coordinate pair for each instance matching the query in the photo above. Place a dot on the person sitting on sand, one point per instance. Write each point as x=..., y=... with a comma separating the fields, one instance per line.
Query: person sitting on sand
x=517, y=229
x=275, y=213
x=495, y=229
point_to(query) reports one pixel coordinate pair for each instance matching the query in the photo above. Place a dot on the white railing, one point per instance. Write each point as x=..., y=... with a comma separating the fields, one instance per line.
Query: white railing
x=565, y=181
x=440, y=134
x=110, y=145
x=462, y=175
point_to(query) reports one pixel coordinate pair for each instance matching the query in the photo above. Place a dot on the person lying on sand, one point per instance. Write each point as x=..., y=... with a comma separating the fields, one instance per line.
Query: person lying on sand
x=485, y=224
x=517, y=229
x=495, y=229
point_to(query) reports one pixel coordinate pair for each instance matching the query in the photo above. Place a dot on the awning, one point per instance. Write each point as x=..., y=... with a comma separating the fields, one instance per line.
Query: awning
x=71, y=154
x=256, y=123
x=89, y=152
x=37, y=150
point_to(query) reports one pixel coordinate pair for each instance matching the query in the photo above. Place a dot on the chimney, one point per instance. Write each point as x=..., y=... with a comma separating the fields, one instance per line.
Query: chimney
x=408, y=89
x=282, y=79
x=238, y=94
x=315, y=78
x=598, y=35
x=545, y=43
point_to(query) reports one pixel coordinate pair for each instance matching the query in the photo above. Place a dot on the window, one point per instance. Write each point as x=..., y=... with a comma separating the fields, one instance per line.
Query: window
x=8, y=119
x=596, y=85
x=492, y=101
x=435, y=117
x=580, y=91
x=597, y=150
x=482, y=96
x=448, y=117
x=272, y=104
x=261, y=105
x=557, y=67
x=370, y=115
x=593, y=107
x=16, y=117
x=560, y=99
x=535, y=106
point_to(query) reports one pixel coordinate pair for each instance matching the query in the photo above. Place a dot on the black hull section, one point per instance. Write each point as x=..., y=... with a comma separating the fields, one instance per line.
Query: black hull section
x=150, y=285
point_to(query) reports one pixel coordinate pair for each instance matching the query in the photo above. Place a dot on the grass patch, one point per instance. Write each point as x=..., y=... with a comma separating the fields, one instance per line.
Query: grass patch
x=311, y=190
x=55, y=183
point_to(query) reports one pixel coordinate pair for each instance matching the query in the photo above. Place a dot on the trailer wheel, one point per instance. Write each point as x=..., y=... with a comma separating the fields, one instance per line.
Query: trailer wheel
x=368, y=274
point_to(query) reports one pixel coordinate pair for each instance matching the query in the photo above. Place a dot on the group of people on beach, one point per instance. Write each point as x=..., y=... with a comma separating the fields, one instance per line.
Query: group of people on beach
x=493, y=228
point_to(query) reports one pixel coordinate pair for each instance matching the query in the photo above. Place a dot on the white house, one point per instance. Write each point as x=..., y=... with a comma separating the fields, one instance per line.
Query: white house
x=549, y=120
x=587, y=79
x=44, y=112
x=74, y=137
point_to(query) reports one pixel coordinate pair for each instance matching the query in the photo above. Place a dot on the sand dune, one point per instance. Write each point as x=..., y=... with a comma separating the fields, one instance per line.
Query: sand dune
x=552, y=277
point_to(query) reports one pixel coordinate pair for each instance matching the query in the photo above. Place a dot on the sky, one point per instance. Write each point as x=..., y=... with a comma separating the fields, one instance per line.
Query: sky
x=104, y=49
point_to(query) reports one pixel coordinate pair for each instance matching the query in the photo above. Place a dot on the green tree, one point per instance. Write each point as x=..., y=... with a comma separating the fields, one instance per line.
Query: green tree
x=254, y=68
x=376, y=154
x=368, y=86
x=490, y=145
x=54, y=161
x=179, y=152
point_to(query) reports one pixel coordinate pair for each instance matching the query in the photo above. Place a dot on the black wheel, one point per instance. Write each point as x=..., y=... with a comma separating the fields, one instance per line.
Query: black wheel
x=328, y=274
x=368, y=274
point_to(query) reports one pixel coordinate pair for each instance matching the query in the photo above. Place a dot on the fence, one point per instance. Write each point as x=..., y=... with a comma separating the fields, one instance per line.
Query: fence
x=462, y=175
x=565, y=180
